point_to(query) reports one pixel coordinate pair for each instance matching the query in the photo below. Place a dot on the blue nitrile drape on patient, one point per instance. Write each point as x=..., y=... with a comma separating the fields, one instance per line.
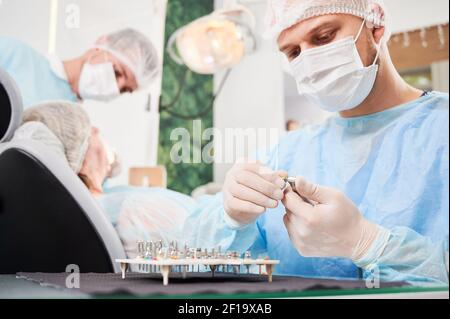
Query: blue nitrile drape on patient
x=32, y=74
x=393, y=165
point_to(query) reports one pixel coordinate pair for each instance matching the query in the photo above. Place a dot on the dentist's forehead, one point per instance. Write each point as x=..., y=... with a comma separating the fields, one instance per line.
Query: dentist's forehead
x=302, y=29
x=283, y=14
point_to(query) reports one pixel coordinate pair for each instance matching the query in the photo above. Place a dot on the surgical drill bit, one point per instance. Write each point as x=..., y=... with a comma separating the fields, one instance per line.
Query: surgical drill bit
x=140, y=253
x=248, y=256
x=291, y=181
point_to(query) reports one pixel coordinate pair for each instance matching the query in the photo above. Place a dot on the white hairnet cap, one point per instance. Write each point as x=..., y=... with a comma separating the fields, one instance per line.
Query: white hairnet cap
x=37, y=131
x=283, y=14
x=135, y=50
x=69, y=123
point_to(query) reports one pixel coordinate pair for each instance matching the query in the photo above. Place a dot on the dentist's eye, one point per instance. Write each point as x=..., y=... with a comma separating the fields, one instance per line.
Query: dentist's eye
x=325, y=38
x=294, y=53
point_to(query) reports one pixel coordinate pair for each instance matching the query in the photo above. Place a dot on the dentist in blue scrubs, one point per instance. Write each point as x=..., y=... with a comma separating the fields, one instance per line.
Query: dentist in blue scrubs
x=371, y=197
x=120, y=62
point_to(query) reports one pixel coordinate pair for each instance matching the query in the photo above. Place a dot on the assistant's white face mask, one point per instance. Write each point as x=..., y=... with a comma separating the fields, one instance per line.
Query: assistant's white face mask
x=98, y=82
x=333, y=76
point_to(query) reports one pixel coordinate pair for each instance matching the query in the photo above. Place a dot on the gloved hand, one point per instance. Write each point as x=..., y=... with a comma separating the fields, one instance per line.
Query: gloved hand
x=249, y=189
x=332, y=227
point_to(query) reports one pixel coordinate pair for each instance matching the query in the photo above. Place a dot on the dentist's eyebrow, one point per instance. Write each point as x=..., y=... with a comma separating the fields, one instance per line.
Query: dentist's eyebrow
x=311, y=32
x=322, y=27
x=287, y=46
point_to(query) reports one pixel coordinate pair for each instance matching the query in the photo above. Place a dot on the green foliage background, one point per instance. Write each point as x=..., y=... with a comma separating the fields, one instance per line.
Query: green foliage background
x=197, y=93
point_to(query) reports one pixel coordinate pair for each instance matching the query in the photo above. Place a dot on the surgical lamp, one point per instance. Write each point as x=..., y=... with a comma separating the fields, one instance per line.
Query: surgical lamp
x=214, y=42
x=211, y=44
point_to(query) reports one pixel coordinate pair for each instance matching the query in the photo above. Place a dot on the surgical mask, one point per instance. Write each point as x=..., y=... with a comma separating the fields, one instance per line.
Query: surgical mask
x=333, y=76
x=98, y=82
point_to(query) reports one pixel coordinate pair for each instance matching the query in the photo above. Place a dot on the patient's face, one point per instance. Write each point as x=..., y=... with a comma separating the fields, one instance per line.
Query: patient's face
x=96, y=165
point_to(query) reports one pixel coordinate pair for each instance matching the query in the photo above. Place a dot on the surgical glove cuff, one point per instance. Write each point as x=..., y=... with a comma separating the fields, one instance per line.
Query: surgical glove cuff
x=369, y=233
x=374, y=251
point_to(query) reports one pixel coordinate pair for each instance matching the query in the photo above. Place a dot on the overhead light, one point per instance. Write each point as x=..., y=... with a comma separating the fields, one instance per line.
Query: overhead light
x=53, y=25
x=214, y=42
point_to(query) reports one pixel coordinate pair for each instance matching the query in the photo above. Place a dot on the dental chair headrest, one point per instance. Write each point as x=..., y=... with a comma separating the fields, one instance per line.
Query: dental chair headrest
x=10, y=107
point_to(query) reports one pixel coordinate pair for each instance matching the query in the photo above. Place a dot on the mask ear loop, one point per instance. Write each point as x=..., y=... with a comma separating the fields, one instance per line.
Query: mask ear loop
x=378, y=51
x=378, y=45
x=105, y=55
x=360, y=30
x=379, y=48
x=89, y=59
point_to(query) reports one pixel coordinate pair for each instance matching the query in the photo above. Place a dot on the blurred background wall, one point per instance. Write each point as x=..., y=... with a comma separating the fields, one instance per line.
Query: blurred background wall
x=259, y=92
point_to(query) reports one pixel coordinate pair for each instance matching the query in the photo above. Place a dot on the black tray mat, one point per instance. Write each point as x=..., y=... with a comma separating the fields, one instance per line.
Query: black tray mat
x=151, y=285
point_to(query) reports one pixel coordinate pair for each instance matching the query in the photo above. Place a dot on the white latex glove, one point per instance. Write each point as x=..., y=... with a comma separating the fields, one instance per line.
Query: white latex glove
x=333, y=227
x=249, y=189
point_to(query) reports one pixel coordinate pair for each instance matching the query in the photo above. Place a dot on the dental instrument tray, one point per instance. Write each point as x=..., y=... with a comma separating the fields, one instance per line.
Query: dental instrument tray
x=154, y=257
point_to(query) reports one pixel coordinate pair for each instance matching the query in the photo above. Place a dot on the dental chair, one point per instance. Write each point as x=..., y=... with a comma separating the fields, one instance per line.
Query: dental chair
x=48, y=218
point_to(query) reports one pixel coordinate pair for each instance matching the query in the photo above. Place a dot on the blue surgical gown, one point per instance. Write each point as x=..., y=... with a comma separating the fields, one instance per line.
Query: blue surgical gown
x=393, y=165
x=32, y=73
